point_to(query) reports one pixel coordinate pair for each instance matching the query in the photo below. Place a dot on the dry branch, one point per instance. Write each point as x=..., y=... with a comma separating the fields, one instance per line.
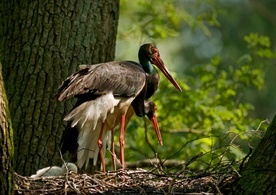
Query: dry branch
x=136, y=182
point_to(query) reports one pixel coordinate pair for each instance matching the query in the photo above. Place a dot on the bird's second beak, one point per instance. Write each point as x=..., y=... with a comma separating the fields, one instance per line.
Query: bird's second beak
x=154, y=123
x=160, y=64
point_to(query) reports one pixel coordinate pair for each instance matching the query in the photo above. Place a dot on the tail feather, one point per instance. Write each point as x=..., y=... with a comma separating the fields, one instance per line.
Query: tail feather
x=88, y=145
x=88, y=117
x=88, y=148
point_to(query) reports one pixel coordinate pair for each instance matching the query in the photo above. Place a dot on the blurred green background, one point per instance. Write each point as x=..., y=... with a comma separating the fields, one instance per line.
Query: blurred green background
x=223, y=55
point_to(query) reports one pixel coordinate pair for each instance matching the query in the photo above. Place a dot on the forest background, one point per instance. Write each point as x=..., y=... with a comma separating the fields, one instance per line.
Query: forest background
x=223, y=54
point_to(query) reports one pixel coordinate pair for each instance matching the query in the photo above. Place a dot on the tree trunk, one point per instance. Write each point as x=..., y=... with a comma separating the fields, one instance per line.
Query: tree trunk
x=6, y=151
x=43, y=42
x=259, y=174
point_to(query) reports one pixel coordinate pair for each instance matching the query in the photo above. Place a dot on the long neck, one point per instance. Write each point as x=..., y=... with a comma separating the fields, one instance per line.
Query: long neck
x=152, y=78
x=147, y=66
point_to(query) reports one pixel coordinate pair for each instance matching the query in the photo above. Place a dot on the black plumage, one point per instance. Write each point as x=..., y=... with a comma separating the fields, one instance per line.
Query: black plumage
x=105, y=93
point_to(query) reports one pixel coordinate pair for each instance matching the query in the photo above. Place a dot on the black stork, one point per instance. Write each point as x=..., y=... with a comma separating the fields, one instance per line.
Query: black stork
x=105, y=92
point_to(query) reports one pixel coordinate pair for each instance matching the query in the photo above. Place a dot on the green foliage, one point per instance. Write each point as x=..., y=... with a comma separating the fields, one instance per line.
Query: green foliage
x=209, y=119
x=155, y=20
x=253, y=64
x=260, y=46
x=161, y=19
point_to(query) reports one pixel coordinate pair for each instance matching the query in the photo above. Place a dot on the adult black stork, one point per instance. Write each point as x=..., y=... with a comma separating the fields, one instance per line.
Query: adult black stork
x=104, y=92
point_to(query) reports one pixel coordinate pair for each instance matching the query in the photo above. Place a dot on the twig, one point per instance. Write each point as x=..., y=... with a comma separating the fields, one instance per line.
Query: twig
x=66, y=176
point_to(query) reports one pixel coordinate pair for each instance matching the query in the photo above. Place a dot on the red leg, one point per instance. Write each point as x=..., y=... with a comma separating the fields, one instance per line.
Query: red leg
x=100, y=145
x=122, y=141
x=113, y=150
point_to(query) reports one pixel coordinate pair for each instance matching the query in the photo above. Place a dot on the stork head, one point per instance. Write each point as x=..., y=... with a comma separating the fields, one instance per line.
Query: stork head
x=150, y=110
x=151, y=53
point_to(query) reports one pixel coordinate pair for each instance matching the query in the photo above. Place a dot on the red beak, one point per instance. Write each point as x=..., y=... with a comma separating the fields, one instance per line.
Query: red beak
x=160, y=64
x=154, y=123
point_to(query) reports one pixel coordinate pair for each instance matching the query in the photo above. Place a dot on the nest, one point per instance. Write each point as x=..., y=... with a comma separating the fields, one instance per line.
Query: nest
x=126, y=182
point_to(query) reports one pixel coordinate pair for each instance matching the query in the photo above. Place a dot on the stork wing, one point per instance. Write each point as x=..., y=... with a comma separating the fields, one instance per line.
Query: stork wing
x=122, y=78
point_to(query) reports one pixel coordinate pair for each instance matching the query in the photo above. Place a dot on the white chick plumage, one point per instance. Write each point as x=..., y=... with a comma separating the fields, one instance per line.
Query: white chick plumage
x=55, y=170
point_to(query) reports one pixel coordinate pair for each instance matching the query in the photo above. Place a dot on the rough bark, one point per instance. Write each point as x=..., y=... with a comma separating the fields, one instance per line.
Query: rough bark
x=259, y=174
x=43, y=42
x=6, y=141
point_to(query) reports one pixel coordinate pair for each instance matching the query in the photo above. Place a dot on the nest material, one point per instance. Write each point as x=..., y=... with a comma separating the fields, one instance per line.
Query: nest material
x=125, y=182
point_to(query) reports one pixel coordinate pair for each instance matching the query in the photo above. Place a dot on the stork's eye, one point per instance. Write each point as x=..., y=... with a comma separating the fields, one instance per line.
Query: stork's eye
x=154, y=52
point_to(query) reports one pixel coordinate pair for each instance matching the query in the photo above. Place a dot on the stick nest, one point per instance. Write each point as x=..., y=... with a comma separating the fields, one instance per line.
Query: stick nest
x=126, y=182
